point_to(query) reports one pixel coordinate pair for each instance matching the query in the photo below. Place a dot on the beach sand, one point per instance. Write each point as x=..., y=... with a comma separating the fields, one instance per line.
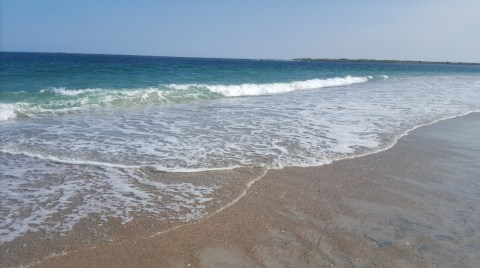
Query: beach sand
x=416, y=204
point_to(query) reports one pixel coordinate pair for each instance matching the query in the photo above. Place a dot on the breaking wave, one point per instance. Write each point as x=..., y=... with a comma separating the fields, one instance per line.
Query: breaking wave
x=273, y=88
x=7, y=111
x=63, y=100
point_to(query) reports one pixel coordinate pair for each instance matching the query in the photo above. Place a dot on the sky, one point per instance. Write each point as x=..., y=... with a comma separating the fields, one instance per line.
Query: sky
x=435, y=30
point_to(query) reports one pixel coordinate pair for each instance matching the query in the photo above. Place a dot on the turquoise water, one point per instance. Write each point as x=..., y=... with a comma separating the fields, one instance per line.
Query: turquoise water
x=86, y=127
x=32, y=83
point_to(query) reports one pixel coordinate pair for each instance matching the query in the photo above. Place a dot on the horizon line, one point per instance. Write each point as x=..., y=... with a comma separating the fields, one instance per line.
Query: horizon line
x=299, y=59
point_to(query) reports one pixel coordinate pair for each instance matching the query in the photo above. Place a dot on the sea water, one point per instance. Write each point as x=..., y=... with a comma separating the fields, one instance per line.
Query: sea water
x=77, y=132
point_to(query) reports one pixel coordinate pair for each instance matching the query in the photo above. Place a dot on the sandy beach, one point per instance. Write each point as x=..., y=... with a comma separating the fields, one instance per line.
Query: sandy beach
x=413, y=205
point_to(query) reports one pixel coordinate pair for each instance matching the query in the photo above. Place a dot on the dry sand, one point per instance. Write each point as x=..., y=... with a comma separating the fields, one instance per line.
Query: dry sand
x=414, y=205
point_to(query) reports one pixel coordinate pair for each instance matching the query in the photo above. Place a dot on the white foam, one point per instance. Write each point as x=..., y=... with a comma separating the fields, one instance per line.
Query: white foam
x=73, y=100
x=70, y=92
x=77, y=192
x=302, y=129
x=273, y=88
x=69, y=160
x=7, y=112
x=81, y=162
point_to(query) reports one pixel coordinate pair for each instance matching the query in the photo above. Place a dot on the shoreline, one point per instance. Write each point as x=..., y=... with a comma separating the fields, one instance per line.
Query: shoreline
x=200, y=170
x=262, y=214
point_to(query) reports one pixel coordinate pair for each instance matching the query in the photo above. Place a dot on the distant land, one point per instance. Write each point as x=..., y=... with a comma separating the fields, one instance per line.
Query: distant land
x=295, y=59
x=382, y=61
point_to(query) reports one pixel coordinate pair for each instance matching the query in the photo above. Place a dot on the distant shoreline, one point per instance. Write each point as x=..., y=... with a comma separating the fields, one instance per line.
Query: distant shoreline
x=262, y=59
x=381, y=61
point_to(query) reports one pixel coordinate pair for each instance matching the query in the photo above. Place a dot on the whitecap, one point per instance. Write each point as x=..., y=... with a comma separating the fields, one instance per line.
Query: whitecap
x=272, y=88
x=7, y=112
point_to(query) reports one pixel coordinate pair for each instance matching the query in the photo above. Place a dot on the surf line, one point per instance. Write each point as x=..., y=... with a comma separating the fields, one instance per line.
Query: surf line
x=231, y=203
x=249, y=185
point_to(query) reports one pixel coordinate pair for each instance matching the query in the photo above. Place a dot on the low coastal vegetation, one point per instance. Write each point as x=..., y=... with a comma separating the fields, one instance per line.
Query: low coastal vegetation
x=380, y=61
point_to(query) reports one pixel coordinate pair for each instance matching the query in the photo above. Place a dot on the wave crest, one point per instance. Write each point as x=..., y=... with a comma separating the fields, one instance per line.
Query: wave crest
x=272, y=88
x=69, y=92
x=7, y=111
x=63, y=100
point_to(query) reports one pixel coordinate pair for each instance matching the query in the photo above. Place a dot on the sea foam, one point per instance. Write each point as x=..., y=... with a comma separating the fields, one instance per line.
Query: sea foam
x=60, y=100
x=273, y=88
x=7, y=112
x=78, y=192
x=69, y=92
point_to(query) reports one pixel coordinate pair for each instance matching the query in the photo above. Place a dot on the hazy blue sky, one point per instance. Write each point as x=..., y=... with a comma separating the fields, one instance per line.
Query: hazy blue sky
x=418, y=30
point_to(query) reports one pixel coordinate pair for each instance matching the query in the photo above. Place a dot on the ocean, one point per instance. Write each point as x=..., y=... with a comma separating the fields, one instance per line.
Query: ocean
x=84, y=135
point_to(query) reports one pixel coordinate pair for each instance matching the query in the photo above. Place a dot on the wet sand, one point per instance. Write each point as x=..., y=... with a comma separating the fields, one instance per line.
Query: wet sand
x=414, y=205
